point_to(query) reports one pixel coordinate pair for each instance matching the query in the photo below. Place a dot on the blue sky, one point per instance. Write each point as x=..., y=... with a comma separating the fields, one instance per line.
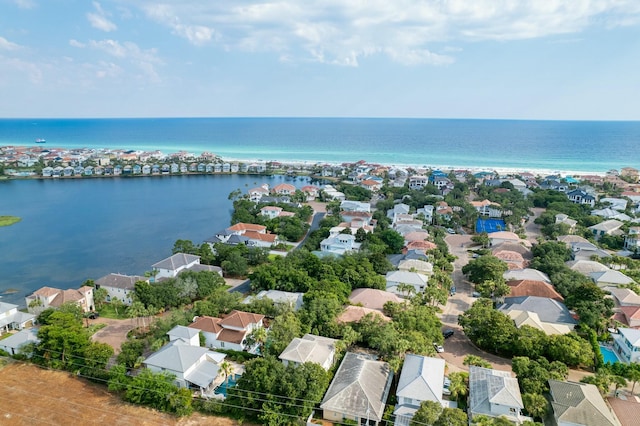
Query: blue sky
x=521, y=59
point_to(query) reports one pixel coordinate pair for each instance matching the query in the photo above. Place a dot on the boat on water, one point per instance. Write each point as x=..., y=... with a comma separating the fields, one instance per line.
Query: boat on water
x=40, y=140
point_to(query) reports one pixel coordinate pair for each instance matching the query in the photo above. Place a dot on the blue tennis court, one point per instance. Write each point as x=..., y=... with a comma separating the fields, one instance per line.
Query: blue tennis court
x=489, y=225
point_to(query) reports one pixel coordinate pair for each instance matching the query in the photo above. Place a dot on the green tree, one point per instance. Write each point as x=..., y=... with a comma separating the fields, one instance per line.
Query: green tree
x=459, y=385
x=137, y=311
x=452, y=417
x=257, y=337
x=427, y=414
x=536, y=405
x=477, y=361
x=99, y=297
x=184, y=246
x=485, y=268
x=283, y=330
x=62, y=342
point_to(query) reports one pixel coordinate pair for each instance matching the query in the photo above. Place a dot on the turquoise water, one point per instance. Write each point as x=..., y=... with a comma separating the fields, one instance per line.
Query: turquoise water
x=228, y=383
x=589, y=146
x=608, y=355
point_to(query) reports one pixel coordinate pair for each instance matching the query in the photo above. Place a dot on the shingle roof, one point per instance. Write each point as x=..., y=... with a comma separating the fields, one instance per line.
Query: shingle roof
x=176, y=355
x=373, y=298
x=356, y=313
x=247, y=227
x=240, y=319
x=487, y=386
x=176, y=261
x=548, y=310
x=126, y=282
x=533, y=288
x=610, y=276
x=208, y=324
x=586, y=267
x=309, y=348
x=580, y=403
x=359, y=388
x=180, y=331
x=526, y=274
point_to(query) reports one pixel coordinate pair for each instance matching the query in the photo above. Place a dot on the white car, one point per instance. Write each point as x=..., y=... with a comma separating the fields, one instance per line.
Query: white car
x=446, y=382
x=438, y=348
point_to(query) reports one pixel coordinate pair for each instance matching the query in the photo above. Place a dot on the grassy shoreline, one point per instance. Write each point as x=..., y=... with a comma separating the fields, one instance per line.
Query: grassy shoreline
x=9, y=220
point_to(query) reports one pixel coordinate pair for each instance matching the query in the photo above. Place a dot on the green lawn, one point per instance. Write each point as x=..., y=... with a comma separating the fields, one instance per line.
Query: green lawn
x=107, y=311
x=9, y=220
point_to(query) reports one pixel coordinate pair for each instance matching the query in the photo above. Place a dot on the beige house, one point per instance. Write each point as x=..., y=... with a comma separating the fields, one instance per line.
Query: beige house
x=310, y=348
x=46, y=297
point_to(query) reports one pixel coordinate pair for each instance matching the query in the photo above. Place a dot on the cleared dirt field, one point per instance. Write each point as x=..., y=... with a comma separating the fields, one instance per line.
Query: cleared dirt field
x=33, y=396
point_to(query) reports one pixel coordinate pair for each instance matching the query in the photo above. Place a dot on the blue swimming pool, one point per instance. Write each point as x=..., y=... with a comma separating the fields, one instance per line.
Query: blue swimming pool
x=228, y=383
x=609, y=355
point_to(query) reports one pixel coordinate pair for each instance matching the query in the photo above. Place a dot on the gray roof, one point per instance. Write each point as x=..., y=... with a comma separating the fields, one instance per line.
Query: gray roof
x=176, y=261
x=126, y=282
x=277, y=296
x=176, y=355
x=359, y=388
x=580, y=404
x=17, y=340
x=610, y=277
x=548, y=310
x=421, y=378
x=204, y=374
x=180, y=331
x=210, y=268
x=309, y=348
x=487, y=386
x=526, y=274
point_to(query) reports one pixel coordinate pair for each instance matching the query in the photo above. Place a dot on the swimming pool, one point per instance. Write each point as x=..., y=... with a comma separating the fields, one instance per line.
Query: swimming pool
x=609, y=355
x=228, y=383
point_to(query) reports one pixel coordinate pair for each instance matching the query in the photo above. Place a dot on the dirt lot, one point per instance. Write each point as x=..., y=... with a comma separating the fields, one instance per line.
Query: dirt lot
x=31, y=396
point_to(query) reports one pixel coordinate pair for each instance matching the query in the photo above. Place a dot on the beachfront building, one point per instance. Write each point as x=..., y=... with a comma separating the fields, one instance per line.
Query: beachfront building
x=173, y=265
x=626, y=343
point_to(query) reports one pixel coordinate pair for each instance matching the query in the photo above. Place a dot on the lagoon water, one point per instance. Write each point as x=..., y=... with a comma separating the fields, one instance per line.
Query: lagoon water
x=585, y=146
x=76, y=229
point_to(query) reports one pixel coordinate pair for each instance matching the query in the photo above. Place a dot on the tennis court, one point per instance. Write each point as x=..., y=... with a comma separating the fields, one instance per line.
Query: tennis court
x=489, y=225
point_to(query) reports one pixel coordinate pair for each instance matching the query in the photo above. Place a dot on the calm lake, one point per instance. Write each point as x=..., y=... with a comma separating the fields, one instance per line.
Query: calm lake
x=76, y=229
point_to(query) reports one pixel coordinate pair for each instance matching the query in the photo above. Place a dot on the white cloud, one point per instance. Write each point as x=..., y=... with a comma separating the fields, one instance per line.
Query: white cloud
x=25, y=4
x=144, y=59
x=406, y=31
x=7, y=45
x=100, y=20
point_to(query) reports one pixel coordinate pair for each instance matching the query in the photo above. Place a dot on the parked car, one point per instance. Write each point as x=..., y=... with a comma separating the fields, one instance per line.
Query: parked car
x=452, y=291
x=451, y=231
x=446, y=391
x=446, y=382
x=93, y=315
x=447, y=333
x=438, y=348
x=475, y=294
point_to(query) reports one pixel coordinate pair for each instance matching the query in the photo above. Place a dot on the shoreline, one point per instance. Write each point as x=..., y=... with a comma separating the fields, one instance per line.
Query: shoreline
x=303, y=163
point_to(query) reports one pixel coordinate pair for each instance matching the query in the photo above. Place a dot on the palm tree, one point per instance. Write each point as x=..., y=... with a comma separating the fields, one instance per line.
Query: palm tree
x=406, y=288
x=227, y=369
x=137, y=311
x=258, y=337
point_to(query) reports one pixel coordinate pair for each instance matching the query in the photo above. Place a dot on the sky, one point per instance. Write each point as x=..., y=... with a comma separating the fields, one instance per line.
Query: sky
x=509, y=59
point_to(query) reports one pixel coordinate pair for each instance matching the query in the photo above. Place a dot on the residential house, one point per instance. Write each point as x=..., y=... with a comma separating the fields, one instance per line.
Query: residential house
x=120, y=286
x=310, y=348
x=500, y=237
x=16, y=341
x=286, y=298
x=580, y=196
x=586, y=267
x=371, y=185
x=284, y=189
x=579, y=404
x=192, y=366
x=562, y=218
x=630, y=172
x=189, y=335
x=230, y=331
x=416, y=265
x=610, y=278
x=311, y=191
x=421, y=380
x=523, y=288
x=513, y=259
x=630, y=316
x=632, y=239
x=46, y=297
x=586, y=251
x=13, y=319
x=273, y=212
x=173, y=265
x=609, y=213
x=255, y=194
x=397, y=279
x=373, y=298
x=494, y=393
x=626, y=410
x=358, y=391
x=619, y=204
x=526, y=274
x=487, y=208
x=623, y=296
x=356, y=313
x=608, y=227
x=339, y=245
x=333, y=193
x=427, y=212
x=626, y=344
x=418, y=182
x=542, y=313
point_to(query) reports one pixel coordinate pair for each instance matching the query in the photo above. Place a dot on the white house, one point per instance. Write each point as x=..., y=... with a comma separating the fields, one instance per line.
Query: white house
x=46, y=297
x=608, y=227
x=396, y=278
x=192, y=366
x=189, y=335
x=173, y=265
x=355, y=206
x=339, y=245
x=421, y=380
x=16, y=341
x=12, y=319
x=229, y=332
x=119, y=286
x=494, y=393
x=627, y=344
x=286, y=298
x=310, y=348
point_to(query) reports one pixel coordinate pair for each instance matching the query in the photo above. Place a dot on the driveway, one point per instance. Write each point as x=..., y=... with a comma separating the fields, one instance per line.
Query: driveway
x=115, y=333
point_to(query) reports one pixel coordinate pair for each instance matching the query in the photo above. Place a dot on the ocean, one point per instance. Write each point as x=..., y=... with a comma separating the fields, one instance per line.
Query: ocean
x=72, y=230
x=576, y=146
